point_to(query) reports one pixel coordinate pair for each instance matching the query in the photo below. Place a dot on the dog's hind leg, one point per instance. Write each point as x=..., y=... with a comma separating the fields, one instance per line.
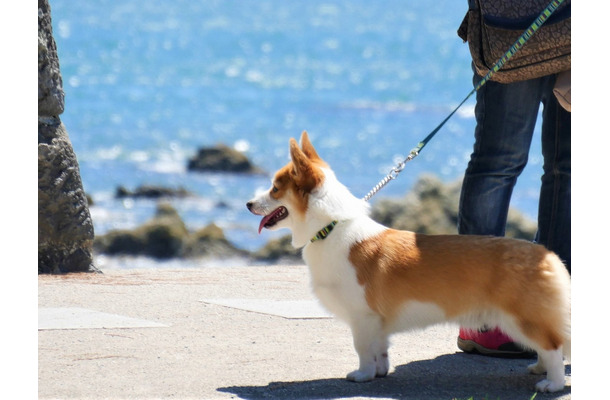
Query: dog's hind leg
x=552, y=361
x=545, y=332
x=537, y=368
x=371, y=344
x=550, y=356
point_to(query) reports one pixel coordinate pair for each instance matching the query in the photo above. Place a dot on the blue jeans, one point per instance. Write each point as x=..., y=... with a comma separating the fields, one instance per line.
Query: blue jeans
x=506, y=116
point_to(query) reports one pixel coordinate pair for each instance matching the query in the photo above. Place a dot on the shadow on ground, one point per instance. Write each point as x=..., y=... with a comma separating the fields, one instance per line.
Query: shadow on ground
x=452, y=376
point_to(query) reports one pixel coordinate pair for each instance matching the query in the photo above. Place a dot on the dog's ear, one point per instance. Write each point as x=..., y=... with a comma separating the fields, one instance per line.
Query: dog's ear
x=306, y=175
x=308, y=148
x=302, y=164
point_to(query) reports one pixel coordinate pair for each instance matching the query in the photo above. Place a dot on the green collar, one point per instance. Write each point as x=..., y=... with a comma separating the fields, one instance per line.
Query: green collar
x=322, y=233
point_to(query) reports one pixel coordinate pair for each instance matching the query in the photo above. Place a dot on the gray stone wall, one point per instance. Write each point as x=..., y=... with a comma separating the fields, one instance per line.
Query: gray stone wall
x=65, y=229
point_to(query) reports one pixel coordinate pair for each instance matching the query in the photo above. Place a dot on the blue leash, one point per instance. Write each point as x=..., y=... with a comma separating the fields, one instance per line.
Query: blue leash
x=529, y=32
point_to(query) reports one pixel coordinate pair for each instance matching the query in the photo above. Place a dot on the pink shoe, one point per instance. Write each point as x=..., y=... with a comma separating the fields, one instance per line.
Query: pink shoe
x=494, y=343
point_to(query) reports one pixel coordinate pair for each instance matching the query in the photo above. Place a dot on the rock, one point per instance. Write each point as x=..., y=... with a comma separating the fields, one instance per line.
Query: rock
x=431, y=207
x=151, y=192
x=166, y=236
x=279, y=250
x=50, y=86
x=210, y=242
x=120, y=242
x=519, y=226
x=65, y=228
x=222, y=158
x=161, y=237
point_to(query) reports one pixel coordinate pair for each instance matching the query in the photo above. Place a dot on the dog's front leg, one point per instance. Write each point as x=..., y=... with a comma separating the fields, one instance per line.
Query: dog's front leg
x=371, y=344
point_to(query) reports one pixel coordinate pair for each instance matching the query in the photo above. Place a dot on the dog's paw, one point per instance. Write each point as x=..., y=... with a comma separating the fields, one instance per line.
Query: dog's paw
x=537, y=368
x=361, y=375
x=547, y=385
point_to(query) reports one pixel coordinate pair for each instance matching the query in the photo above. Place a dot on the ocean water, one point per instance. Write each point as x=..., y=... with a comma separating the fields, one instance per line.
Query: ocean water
x=148, y=83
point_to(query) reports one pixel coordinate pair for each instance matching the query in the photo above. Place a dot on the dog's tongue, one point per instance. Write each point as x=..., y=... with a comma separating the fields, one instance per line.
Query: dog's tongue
x=265, y=219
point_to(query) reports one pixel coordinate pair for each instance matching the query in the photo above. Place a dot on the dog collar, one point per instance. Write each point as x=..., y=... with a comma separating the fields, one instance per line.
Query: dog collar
x=322, y=233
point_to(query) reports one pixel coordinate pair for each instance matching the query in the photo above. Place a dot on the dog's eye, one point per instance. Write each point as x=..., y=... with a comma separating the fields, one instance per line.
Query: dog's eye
x=275, y=189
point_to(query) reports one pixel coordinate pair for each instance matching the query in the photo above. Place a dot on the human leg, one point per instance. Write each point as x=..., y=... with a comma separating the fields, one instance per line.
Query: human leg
x=554, y=210
x=506, y=116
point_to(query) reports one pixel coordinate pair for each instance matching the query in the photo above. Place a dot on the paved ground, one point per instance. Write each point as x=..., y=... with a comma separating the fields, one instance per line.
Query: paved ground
x=252, y=333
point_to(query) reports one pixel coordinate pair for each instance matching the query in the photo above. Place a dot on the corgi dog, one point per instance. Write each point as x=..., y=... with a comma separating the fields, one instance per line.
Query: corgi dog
x=381, y=280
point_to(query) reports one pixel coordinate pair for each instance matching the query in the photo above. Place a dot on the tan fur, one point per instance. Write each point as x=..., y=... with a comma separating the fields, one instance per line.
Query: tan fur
x=462, y=274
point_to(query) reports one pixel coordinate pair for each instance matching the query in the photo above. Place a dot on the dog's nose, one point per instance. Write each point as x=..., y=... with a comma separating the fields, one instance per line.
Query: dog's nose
x=249, y=205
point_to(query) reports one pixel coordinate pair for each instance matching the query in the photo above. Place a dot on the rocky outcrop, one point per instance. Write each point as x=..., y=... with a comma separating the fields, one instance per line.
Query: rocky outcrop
x=166, y=236
x=162, y=237
x=279, y=251
x=431, y=207
x=50, y=87
x=151, y=192
x=222, y=158
x=210, y=241
x=65, y=229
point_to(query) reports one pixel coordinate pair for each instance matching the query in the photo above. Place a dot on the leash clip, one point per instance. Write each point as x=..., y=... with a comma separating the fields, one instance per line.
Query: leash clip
x=401, y=165
x=396, y=170
x=393, y=173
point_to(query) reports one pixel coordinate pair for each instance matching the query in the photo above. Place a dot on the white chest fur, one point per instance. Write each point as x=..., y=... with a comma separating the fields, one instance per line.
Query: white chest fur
x=333, y=277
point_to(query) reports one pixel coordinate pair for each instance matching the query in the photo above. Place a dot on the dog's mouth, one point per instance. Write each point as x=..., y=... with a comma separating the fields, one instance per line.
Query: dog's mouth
x=273, y=218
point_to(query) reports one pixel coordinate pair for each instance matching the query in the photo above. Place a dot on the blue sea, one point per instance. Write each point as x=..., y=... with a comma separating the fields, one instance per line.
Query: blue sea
x=148, y=83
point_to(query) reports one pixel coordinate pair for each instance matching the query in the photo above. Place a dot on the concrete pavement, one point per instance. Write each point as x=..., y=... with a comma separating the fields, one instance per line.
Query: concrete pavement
x=242, y=332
